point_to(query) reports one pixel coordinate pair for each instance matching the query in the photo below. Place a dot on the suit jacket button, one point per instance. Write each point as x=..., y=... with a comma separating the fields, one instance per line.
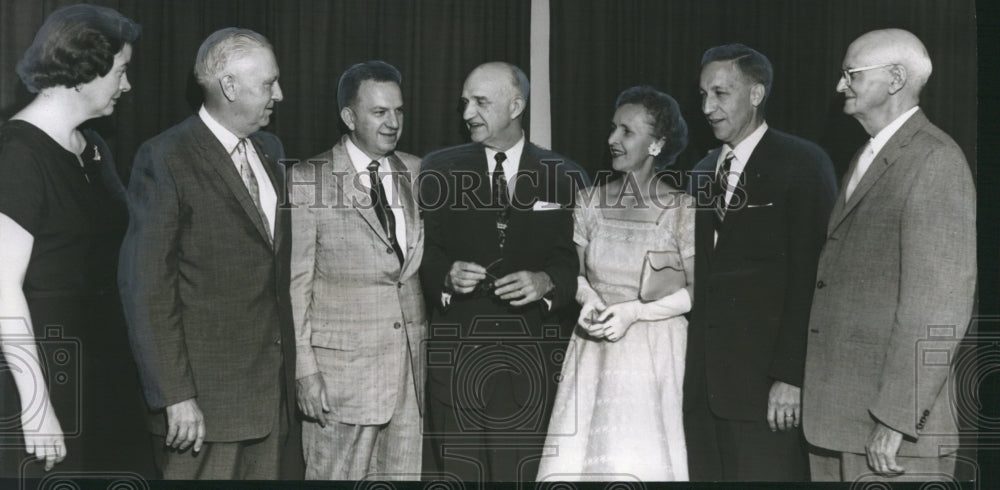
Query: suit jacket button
x=277, y=341
x=399, y=285
x=820, y=284
x=920, y=426
x=388, y=250
x=927, y=412
x=397, y=325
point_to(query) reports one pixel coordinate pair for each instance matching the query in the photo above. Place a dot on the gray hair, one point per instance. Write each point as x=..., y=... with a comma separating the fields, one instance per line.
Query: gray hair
x=520, y=80
x=221, y=48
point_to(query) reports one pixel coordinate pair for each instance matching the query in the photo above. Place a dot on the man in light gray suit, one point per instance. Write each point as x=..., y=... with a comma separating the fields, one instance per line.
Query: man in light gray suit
x=356, y=299
x=896, y=280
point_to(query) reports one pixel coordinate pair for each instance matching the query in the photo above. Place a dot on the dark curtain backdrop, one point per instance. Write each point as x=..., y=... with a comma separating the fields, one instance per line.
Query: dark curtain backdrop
x=434, y=43
x=600, y=47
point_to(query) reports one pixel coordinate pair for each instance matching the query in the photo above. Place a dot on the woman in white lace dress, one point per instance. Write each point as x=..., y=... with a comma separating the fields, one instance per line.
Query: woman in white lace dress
x=617, y=414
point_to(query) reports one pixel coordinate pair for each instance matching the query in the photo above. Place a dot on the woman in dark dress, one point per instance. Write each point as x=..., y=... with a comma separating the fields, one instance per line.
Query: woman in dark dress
x=67, y=381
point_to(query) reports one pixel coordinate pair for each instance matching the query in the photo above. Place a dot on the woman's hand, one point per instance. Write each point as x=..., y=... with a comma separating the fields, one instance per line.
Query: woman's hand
x=45, y=441
x=615, y=320
x=589, y=312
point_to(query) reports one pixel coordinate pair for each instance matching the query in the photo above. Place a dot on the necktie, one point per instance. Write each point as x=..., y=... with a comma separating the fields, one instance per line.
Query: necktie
x=250, y=181
x=864, y=161
x=501, y=198
x=382, y=210
x=721, y=188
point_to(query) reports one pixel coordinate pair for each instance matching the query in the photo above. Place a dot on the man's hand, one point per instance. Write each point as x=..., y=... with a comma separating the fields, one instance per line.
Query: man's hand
x=185, y=425
x=881, y=450
x=464, y=276
x=523, y=287
x=311, y=397
x=784, y=406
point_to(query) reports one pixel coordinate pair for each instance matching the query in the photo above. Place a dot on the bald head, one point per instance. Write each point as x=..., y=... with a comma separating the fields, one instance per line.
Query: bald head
x=513, y=77
x=898, y=47
x=494, y=98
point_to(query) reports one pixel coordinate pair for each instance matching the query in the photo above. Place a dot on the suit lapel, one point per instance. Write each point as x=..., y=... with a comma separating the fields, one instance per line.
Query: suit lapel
x=755, y=174
x=276, y=175
x=838, y=206
x=704, y=226
x=880, y=165
x=354, y=193
x=220, y=161
x=525, y=193
x=484, y=192
x=403, y=182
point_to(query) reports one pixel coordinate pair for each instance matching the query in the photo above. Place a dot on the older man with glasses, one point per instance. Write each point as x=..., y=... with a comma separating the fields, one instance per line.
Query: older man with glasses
x=896, y=277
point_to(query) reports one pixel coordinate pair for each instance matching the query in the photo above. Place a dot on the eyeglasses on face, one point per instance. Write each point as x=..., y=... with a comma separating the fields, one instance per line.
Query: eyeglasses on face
x=848, y=74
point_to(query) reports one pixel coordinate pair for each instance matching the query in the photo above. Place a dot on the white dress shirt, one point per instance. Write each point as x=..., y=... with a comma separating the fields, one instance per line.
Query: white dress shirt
x=875, y=145
x=268, y=198
x=510, y=166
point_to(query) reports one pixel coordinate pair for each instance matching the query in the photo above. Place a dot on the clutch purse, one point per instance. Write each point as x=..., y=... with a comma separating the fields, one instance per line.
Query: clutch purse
x=662, y=275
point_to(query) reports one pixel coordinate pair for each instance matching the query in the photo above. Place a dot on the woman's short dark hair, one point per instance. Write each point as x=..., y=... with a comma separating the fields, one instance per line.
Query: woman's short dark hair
x=75, y=45
x=667, y=120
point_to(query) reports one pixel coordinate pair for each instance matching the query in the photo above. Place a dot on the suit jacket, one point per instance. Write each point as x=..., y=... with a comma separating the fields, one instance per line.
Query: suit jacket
x=204, y=291
x=353, y=303
x=753, y=288
x=461, y=225
x=896, y=280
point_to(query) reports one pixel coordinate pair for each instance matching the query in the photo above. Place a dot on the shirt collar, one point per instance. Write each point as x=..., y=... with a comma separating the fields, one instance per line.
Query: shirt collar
x=513, y=155
x=360, y=159
x=226, y=137
x=880, y=139
x=745, y=148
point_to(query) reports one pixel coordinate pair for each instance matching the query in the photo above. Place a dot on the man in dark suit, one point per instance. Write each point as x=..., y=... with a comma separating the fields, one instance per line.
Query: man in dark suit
x=896, y=281
x=764, y=200
x=204, y=274
x=499, y=258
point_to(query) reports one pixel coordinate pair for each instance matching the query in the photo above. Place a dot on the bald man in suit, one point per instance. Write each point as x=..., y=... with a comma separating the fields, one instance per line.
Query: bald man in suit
x=897, y=273
x=499, y=262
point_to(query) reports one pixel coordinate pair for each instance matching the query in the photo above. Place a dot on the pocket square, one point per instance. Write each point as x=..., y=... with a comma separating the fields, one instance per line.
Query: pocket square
x=545, y=206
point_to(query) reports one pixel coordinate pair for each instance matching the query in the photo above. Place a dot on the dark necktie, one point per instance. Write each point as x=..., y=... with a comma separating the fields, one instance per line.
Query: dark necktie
x=250, y=181
x=382, y=210
x=501, y=198
x=721, y=187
